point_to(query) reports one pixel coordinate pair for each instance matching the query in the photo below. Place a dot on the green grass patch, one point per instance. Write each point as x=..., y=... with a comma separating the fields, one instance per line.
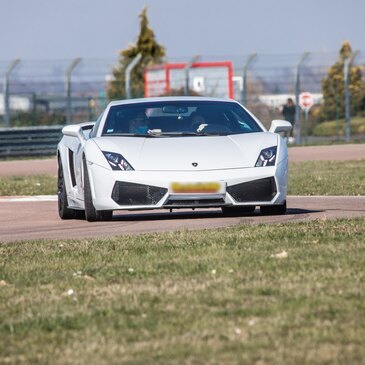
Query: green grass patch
x=208, y=297
x=334, y=128
x=327, y=178
x=28, y=185
x=25, y=158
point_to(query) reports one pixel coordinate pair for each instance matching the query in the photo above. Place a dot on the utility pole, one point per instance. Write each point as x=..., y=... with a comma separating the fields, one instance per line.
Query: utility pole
x=128, y=71
x=346, y=70
x=11, y=67
x=188, y=66
x=298, y=138
x=68, y=74
x=250, y=59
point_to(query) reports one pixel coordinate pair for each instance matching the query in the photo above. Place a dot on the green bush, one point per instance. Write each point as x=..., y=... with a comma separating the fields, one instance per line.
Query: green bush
x=331, y=128
x=39, y=119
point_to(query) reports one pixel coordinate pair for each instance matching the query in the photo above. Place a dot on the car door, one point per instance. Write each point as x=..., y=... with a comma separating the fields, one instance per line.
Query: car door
x=78, y=162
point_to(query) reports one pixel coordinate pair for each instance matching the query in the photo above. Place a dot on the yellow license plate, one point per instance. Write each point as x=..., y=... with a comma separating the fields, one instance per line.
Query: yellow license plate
x=196, y=188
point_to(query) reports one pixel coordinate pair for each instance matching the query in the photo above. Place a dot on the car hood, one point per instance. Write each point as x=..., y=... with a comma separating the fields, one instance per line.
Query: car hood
x=183, y=153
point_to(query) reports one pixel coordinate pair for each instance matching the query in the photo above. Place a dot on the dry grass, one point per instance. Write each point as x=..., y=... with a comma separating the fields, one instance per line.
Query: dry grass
x=28, y=185
x=327, y=178
x=209, y=297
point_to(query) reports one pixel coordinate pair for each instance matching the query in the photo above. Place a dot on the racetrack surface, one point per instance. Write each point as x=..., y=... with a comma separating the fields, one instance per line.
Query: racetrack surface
x=327, y=153
x=37, y=219
x=296, y=154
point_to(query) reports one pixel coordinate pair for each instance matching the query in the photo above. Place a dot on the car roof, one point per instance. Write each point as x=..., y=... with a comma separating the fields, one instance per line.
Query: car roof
x=169, y=98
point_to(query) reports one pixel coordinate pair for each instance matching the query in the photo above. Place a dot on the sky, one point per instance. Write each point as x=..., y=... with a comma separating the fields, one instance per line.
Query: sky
x=98, y=29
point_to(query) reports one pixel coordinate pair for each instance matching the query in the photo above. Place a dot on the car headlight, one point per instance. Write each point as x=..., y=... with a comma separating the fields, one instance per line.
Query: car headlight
x=117, y=161
x=267, y=157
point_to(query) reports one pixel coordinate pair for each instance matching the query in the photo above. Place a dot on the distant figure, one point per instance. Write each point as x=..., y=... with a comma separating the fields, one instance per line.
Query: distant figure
x=289, y=115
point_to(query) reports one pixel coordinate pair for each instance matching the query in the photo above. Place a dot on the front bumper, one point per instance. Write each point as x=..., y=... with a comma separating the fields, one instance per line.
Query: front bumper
x=135, y=190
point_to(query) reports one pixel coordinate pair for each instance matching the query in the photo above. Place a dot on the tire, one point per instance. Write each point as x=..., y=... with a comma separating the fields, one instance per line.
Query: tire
x=63, y=210
x=237, y=211
x=91, y=214
x=273, y=209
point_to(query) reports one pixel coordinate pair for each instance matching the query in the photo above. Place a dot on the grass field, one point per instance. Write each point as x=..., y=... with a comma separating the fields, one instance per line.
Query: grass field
x=305, y=178
x=28, y=185
x=327, y=178
x=209, y=297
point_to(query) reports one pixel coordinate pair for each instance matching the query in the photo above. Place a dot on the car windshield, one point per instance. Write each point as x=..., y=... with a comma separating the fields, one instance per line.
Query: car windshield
x=178, y=118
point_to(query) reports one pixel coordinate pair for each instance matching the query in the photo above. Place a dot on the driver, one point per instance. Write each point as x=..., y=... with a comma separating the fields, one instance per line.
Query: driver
x=139, y=125
x=198, y=123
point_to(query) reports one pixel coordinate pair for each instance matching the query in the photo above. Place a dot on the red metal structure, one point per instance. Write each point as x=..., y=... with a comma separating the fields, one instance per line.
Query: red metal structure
x=206, y=78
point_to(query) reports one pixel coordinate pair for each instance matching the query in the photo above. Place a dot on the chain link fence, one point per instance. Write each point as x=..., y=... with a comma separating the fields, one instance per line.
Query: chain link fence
x=45, y=92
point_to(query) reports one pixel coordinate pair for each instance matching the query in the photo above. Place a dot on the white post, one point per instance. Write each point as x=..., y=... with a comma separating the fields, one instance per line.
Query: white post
x=6, y=92
x=68, y=73
x=298, y=138
x=128, y=71
x=187, y=72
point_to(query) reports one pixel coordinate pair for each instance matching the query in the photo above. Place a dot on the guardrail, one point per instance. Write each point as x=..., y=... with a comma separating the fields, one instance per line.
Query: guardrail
x=29, y=141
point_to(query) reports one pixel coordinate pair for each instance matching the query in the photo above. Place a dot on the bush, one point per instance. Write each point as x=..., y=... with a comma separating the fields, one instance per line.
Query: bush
x=328, y=129
x=40, y=119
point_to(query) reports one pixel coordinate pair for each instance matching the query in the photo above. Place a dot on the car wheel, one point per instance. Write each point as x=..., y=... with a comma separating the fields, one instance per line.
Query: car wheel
x=273, y=209
x=237, y=211
x=63, y=210
x=91, y=214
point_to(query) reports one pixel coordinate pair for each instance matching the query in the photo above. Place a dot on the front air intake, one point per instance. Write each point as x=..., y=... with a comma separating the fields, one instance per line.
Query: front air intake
x=262, y=190
x=126, y=193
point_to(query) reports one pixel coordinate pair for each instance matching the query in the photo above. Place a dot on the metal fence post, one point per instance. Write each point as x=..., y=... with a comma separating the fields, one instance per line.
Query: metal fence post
x=34, y=108
x=188, y=66
x=346, y=70
x=298, y=138
x=128, y=71
x=250, y=59
x=346, y=67
x=6, y=92
x=68, y=73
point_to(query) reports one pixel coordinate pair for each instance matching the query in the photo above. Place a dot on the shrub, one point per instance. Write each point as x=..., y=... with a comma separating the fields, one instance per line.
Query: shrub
x=331, y=128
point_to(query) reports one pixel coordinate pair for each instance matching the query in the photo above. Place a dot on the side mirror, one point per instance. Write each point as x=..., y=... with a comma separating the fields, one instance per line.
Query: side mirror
x=278, y=126
x=74, y=130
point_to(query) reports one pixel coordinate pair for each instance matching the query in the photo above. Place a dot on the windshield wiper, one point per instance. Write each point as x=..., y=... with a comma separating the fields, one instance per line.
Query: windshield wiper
x=212, y=134
x=144, y=135
x=185, y=134
x=158, y=132
x=182, y=133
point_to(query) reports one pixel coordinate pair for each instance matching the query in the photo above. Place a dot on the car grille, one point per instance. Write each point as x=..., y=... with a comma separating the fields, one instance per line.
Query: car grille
x=192, y=203
x=262, y=190
x=126, y=193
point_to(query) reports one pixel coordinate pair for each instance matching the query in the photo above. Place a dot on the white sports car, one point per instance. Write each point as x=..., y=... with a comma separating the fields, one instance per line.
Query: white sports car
x=169, y=153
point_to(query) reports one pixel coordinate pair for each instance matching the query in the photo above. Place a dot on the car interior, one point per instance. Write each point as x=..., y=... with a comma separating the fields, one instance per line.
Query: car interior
x=176, y=119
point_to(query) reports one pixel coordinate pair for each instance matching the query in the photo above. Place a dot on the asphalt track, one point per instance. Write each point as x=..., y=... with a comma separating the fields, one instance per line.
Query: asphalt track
x=37, y=218
x=25, y=220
